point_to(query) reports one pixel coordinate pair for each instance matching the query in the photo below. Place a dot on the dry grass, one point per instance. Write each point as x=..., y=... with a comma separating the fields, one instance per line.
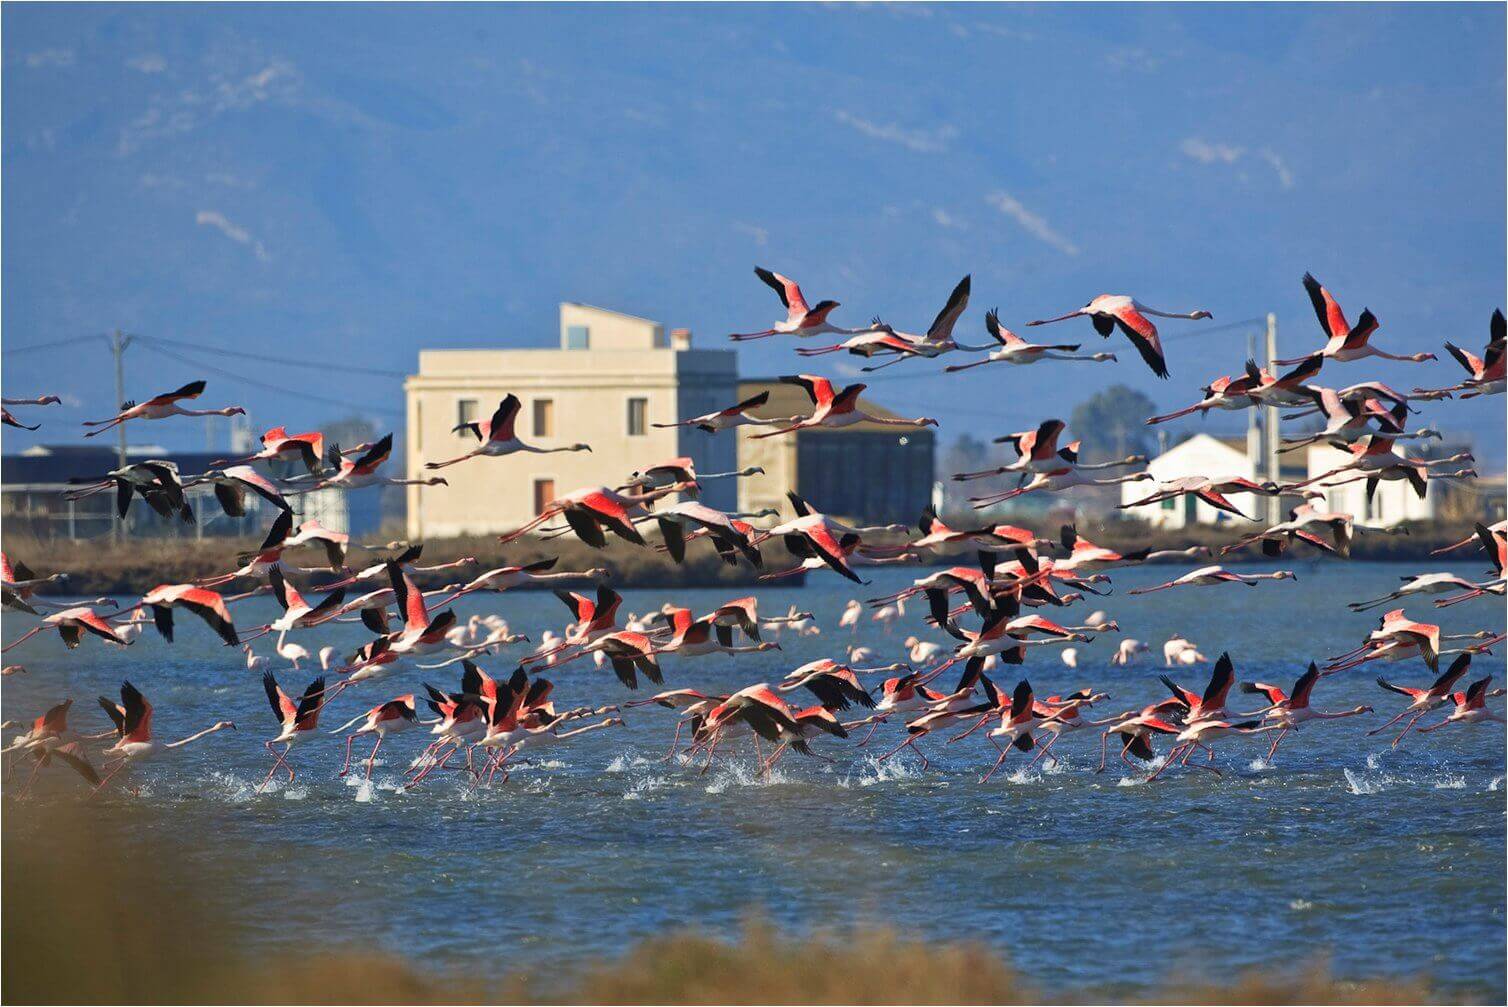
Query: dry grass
x=85, y=924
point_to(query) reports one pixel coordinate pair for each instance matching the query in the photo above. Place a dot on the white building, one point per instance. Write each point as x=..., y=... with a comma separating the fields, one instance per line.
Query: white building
x=1224, y=458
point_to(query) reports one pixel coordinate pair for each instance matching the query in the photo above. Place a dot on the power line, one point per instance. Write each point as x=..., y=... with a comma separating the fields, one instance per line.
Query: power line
x=265, y=386
x=318, y=365
x=53, y=344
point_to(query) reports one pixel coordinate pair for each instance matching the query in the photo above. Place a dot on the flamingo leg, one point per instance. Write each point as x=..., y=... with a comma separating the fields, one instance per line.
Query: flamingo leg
x=1172, y=757
x=1390, y=723
x=1276, y=742
x=371, y=759
x=345, y=767
x=1409, y=727
x=108, y=777
x=1003, y=753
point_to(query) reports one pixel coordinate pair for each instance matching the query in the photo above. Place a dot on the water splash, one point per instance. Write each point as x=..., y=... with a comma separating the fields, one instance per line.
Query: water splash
x=739, y=774
x=1451, y=783
x=1300, y=905
x=647, y=785
x=1360, y=785
x=872, y=771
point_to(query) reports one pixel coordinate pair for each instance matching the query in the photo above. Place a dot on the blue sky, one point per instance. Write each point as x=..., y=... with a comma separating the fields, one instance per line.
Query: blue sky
x=355, y=183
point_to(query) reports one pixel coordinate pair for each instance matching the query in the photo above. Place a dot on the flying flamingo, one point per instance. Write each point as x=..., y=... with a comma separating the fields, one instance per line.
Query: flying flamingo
x=393, y=717
x=1485, y=374
x=1373, y=459
x=279, y=445
x=836, y=409
x=835, y=685
x=50, y=734
x=1422, y=701
x=1345, y=342
x=359, y=472
x=1211, y=491
x=589, y=511
x=727, y=419
x=132, y=718
x=1471, y=707
x=800, y=320
x=155, y=481
x=1292, y=711
x=883, y=340
x=1059, y=479
x=1206, y=576
x=1225, y=393
x=1201, y=733
x=299, y=721
x=1013, y=349
x=161, y=407
x=1108, y=311
x=201, y=601
x=71, y=624
x=1348, y=421
x=233, y=483
x=498, y=438
x=1138, y=727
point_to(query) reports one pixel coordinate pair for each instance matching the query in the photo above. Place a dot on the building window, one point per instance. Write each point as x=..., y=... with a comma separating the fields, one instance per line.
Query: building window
x=1170, y=503
x=638, y=417
x=465, y=413
x=544, y=417
x=544, y=493
x=578, y=337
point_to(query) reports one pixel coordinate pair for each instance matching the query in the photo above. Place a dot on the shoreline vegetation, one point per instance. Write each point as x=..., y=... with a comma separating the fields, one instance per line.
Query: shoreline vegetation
x=136, y=565
x=72, y=934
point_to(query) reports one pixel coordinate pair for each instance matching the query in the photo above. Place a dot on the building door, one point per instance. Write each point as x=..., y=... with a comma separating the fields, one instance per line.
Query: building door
x=544, y=494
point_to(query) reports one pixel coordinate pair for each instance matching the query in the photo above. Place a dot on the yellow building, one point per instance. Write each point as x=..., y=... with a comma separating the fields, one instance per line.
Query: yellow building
x=612, y=378
x=868, y=472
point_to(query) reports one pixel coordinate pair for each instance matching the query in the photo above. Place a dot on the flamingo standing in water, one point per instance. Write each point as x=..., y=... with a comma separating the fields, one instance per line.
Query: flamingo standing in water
x=1107, y=311
x=1346, y=342
x=498, y=437
x=132, y=718
x=393, y=717
x=834, y=409
x=299, y=721
x=1012, y=349
x=800, y=320
x=161, y=407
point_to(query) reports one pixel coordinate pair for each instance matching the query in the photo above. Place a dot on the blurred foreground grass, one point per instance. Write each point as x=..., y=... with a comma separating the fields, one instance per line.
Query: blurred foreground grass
x=84, y=922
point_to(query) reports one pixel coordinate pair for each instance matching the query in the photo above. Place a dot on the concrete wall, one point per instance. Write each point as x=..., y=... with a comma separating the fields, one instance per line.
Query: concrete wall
x=1199, y=455
x=611, y=330
x=590, y=391
x=1394, y=502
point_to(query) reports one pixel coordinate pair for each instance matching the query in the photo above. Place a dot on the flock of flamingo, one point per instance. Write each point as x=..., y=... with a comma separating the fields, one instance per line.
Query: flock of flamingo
x=991, y=608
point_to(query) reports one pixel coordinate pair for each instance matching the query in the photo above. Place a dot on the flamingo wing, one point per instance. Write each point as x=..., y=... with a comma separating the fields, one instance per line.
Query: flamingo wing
x=500, y=427
x=958, y=300
x=788, y=291
x=1143, y=335
x=1330, y=316
x=192, y=390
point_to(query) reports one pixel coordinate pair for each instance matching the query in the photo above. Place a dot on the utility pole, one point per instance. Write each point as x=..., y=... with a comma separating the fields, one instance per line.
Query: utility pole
x=1274, y=433
x=1253, y=433
x=118, y=344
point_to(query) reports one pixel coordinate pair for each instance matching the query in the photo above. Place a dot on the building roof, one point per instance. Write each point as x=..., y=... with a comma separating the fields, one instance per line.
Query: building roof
x=792, y=400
